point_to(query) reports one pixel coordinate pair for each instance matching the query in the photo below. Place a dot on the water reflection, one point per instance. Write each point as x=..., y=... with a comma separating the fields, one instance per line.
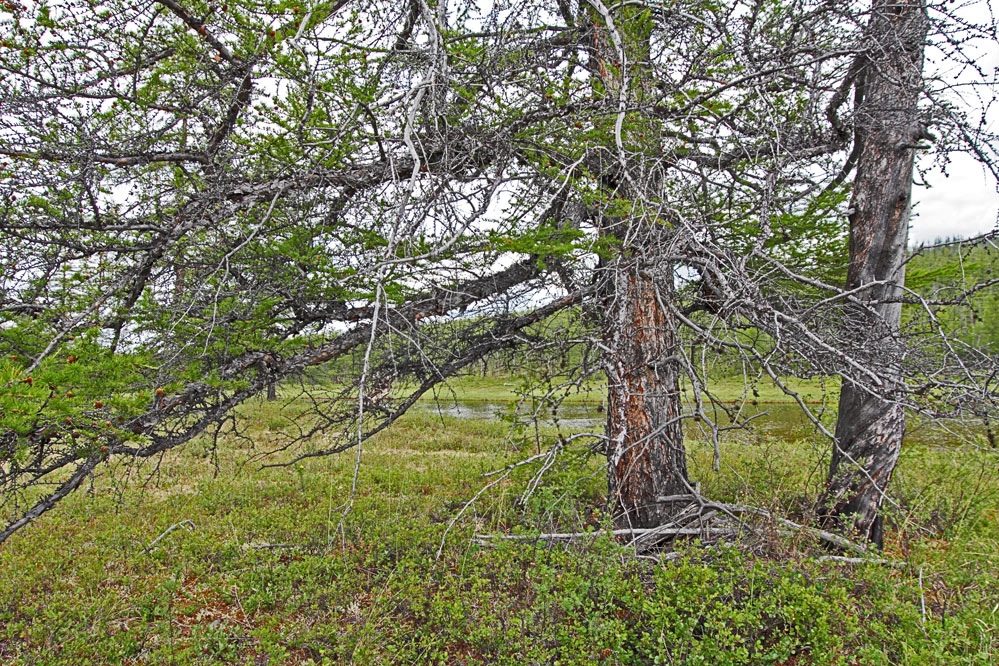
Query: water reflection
x=770, y=421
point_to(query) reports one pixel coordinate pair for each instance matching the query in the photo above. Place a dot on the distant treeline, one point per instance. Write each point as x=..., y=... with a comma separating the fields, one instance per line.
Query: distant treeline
x=963, y=279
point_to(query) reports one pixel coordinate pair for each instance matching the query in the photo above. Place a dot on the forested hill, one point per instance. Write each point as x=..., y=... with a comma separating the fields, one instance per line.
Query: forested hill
x=964, y=279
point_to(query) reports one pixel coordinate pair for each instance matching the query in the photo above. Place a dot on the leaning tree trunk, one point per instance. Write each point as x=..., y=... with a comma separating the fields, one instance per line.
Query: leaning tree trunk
x=645, y=454
x=871, y=421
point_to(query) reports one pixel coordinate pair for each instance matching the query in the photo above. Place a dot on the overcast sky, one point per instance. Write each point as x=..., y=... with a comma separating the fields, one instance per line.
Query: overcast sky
x=964, y=203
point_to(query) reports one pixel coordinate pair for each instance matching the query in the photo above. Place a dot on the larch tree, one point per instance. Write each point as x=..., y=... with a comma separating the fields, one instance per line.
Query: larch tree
x=360, y=200
x=640, y=352
x=888, y=129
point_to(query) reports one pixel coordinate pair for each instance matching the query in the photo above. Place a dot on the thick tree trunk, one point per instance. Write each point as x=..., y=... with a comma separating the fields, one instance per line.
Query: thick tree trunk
x=646, y=455
x=870, y=423
x=271, y=392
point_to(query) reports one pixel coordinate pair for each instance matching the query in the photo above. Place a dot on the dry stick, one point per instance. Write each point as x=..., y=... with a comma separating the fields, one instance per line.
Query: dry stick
x=922, y=599
x=665, y=499
x=676, y=555
x=861, y=560
x=685, y=517
x=734, y=509
x=638, y=531
x=184, y=523
x=379, y=295
x=710, y=532
x=702, y=520
x=47, y=502
x=828, y=537
x=275, y=546
x=506, y=472
x=666, y=530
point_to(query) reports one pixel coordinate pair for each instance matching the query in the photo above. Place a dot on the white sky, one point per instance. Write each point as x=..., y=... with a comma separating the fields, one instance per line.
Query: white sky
x=964, y=203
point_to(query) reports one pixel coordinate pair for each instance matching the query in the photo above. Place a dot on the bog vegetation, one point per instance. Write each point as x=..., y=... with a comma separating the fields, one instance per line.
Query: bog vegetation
x=268, y=571
x=675, y=212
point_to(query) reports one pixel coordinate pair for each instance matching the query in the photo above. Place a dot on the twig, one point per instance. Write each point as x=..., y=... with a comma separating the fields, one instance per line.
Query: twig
x=681, y=520
x=669, y=499
x=828, y=537
x=669, y=557
x=676, y=528
x=273, y=546
x=184, y=523
x=861, y=560
x=922, y=599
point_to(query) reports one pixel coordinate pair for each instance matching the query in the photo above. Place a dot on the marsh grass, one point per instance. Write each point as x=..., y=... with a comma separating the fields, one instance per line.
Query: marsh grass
x=366, y=586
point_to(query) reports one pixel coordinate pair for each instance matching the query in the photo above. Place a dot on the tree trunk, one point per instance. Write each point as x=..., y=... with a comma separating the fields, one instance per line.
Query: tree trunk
x=645, y=453
x=271, y=392
x=871, y=422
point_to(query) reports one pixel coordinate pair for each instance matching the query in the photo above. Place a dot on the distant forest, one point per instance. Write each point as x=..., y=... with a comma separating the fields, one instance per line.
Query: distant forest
x=943, y=273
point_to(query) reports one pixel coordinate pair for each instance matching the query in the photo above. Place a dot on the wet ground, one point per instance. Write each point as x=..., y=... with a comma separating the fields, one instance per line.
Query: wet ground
x=755, y=422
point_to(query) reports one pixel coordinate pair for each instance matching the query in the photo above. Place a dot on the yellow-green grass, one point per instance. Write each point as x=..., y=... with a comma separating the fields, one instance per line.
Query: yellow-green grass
x=510, y=388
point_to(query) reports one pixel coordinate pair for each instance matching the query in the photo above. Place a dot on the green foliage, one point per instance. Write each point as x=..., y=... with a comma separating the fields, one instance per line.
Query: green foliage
x=83, y=391
x=961, y=276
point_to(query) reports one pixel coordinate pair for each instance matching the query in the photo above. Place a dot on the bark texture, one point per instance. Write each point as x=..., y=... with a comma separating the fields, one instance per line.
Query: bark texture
x=646, y=456
x=870, y=421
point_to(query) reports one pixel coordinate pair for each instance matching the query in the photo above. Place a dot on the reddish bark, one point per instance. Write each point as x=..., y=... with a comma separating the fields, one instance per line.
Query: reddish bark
x=646, y=455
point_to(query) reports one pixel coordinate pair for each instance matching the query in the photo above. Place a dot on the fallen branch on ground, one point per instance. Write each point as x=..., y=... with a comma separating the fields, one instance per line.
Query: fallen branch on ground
x=861, y=560
x=184, y=523
x=702, y=511
x=637, y=532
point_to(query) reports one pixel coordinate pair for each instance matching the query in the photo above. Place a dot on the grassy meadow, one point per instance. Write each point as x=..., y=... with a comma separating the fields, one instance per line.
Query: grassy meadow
x=272, y=568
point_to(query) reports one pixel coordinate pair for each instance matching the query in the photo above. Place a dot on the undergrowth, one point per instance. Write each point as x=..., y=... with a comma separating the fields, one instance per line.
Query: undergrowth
x=273, y=568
